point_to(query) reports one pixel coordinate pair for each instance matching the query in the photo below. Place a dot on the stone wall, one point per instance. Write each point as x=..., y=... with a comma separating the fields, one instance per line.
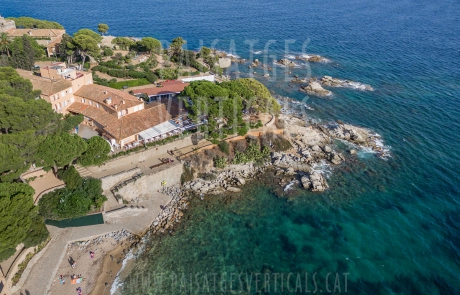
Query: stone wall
x=144, y=186
x=110, y=180
x=34, y=173
x=141, y=156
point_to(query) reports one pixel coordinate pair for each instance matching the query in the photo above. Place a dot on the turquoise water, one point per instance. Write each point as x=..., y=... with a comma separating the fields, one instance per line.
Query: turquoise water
x=393, y=224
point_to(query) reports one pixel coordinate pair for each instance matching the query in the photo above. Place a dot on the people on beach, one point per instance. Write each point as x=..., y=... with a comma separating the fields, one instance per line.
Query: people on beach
x=72, y=262
x=91, y=254
x=62, y=279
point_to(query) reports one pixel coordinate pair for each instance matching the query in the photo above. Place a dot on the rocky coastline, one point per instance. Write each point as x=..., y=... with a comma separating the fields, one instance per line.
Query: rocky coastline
x=315, y=86
x=311, y=146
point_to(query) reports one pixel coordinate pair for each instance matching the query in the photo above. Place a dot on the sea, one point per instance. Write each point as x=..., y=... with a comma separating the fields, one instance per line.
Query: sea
x=386, y=225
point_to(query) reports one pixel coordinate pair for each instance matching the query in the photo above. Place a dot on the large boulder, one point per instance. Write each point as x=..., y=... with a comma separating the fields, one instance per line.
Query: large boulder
x=225, y=62
x=327, y=149
x=286, y=62
x=233, y=189
x=290, y=171
x=240, y=181
x=306, y=183
x=196, y=186
x=315, y=88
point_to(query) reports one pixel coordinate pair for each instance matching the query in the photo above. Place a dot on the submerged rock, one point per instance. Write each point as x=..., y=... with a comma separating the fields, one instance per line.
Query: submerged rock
x=312, y=58
x=286, y=62
x=233, y=189
x=333, y=82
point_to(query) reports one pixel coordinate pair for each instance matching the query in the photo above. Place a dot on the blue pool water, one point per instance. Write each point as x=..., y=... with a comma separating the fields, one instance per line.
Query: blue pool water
x=393, y=225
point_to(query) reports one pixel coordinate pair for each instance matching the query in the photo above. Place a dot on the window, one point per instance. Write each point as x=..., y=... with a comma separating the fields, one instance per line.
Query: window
x=70, y=90
x=64, y=103
x=63, y=94
x=90, y=102
x=97, y=105
x=83, y=100
x=72, y=99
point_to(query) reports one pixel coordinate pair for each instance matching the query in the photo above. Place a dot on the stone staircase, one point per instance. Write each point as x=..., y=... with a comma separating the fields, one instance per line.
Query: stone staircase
x=82, y=171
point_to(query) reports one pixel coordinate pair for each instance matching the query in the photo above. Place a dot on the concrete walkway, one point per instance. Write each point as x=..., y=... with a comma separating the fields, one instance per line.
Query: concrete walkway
x=41, y=271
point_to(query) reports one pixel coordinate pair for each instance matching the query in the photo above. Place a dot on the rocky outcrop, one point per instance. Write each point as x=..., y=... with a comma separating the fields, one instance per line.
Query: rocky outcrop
x=312, y=58
x=299, y=80
x=225, y=62
x=315, y=88
x=333, y=82
x=255, y=63
x=348, y=132
x=227, y=180
x=286, y=62
x=315, y=182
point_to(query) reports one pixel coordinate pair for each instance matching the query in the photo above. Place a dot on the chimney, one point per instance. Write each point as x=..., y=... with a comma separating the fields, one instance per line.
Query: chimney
x=108, y=100
x=123, y=101
x=116, y=107
x=105, y=91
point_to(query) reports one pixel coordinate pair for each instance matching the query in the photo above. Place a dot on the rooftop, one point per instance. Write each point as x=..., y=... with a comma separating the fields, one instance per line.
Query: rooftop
x=46, y=85
x=167, y=88
x=125, y=126
x=100, y=94
x=53, y=33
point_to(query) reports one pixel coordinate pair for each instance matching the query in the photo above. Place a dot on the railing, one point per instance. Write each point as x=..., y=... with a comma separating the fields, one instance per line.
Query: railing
x=47, y=191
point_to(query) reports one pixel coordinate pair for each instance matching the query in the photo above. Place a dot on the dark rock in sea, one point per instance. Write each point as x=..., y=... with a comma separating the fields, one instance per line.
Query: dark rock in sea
x=286, y=245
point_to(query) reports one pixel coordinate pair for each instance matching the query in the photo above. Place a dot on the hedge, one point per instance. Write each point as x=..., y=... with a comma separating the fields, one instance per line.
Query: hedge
x=130, y=83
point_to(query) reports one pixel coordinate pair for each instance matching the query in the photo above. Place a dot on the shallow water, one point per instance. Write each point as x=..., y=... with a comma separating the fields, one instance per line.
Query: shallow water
x=393, y=225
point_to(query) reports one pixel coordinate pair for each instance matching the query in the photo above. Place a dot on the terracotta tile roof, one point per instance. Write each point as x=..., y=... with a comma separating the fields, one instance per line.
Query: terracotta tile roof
x=53, y=44
x=53, y=33
x=47, y=86
x=174, y=106
x=168, y=87
x=125, y=126
x=100, y=93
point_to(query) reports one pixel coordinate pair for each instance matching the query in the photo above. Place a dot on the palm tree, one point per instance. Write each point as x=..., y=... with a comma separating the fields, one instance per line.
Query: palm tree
x=5, y=43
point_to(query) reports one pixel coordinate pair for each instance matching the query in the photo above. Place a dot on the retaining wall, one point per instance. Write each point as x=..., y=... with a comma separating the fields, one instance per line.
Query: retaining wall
x=143, y=155
x=144, y=186
x=110, y=180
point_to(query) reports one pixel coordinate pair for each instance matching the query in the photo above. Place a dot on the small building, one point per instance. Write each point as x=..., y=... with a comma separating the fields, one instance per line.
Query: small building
x=6, y=24
x=58, y=84
x=121, y=117
x=168, y=89
x=210, y=78
x=50, y=38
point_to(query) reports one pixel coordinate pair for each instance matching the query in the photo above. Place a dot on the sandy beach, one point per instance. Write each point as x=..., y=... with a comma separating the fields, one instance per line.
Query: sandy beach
x=97, y=273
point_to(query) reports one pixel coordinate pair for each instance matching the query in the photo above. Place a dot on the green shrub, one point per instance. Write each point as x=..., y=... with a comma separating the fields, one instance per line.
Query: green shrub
x=167, y=74
x=96, y=152
x=281, y=144
x=252, y=154
x=224, y=147
x=129, y=83
x=242, y=130
x=187, y=175
x=71, y=203
x=207, y=176
x=71, y=177
x=220, y=162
